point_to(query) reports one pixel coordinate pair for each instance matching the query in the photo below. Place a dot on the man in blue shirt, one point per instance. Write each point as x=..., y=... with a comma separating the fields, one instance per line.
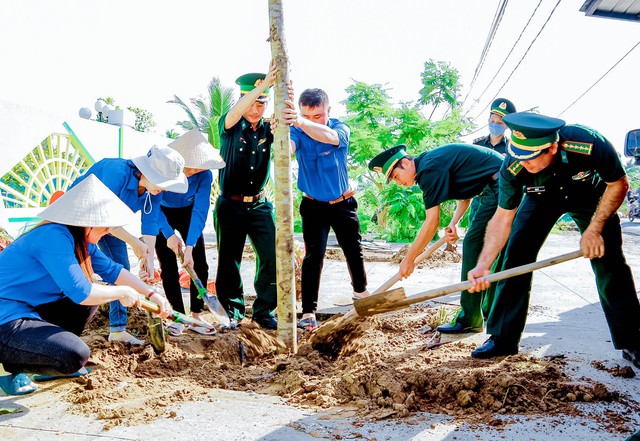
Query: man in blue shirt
x=321, y=145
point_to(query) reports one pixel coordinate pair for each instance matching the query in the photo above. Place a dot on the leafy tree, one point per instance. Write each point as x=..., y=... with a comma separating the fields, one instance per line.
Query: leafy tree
x=144, y=119
x=208, y=110
x=440, y=85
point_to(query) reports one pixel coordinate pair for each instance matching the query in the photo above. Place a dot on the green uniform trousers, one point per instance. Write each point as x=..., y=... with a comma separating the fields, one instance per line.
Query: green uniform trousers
x=234, y=221
x=535, y=217
x=476, y=306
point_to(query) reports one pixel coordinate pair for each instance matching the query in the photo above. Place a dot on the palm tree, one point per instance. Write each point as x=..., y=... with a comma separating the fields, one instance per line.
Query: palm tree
x=209, y=109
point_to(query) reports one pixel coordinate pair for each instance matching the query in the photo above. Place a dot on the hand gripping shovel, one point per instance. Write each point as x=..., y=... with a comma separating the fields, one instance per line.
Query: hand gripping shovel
x=214, y=305
x=397, y=299
x=156, y=328
x=178, y=317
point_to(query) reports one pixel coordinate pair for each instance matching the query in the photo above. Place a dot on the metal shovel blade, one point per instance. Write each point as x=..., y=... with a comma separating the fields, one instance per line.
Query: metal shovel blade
x=156, y=333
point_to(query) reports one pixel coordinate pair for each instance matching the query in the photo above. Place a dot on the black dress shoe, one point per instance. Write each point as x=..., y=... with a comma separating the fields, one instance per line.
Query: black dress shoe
x=266, y=322
x=495, y=347
x=633, y=355
x=458, y=328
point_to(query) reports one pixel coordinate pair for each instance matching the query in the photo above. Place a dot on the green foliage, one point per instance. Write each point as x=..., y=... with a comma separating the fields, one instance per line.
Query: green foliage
x=208, y=110
x=376, y=123
x=171, y=134
x=144, y=119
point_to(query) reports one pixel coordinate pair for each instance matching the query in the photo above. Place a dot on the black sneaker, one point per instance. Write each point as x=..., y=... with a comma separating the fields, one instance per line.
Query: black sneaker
x=633, y=355
x=495, y=347
x=267, y=322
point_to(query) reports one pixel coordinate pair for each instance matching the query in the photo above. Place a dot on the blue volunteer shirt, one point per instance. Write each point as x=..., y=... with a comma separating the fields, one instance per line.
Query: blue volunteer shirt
x=120, y=176
x=322, y=168
x=41, y=267
x=198, y=195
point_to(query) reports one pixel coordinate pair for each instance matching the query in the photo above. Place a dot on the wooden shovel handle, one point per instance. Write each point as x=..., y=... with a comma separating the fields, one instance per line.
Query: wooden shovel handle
x=512, y=272
x=422, y=256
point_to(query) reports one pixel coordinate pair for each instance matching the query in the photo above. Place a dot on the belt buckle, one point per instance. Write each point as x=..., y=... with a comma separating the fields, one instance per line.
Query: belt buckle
x=247, y=199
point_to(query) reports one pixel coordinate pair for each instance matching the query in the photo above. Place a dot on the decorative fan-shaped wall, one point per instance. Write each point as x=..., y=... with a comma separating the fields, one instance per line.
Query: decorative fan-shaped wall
x=51, y=166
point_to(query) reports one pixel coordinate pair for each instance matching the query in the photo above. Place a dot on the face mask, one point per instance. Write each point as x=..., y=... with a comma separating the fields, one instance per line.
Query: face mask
x=496, y=129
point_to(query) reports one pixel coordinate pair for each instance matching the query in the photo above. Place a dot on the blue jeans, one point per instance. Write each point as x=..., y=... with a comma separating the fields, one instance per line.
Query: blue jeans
x=116, y=250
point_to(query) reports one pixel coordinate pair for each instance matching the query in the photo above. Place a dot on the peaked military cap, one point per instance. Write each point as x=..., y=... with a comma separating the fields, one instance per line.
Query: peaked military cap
x=386, y=161
x=531, y=134
x=502, y=107
x=248, y=82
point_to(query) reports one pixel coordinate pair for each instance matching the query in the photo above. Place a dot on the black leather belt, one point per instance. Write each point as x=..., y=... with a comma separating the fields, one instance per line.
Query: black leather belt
x=244, y=198
x=335, y=201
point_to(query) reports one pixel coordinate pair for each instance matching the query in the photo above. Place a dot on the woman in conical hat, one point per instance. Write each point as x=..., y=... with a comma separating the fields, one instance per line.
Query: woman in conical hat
x=139, y=183
x=47, y=292
x=187, y=213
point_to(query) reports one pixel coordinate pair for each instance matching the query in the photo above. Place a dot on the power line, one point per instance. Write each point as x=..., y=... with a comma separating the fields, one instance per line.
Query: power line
x=598, y=80
x=504, y=61
x=487, y=45
x=521, y=59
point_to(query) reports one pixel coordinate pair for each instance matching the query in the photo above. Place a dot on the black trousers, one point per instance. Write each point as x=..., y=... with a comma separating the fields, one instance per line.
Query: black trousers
x=533, y=222
x=317, y=218
x=179, y=219
x=234, y=221
x=49, y=347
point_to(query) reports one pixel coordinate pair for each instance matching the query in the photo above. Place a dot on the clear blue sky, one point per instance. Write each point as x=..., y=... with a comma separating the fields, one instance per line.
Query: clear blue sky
x=63, y=54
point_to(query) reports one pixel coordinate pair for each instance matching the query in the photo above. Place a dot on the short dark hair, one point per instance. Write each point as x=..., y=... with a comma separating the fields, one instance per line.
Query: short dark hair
x=313, y=98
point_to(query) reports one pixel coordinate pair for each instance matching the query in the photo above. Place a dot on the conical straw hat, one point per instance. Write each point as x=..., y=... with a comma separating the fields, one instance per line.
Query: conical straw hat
x=196, y=151
x=89, y=204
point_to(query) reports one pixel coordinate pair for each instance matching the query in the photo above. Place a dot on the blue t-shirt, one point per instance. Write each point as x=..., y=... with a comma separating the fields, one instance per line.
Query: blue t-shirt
x=41, y=267
x=322, y=168
x=120, y=176
x=198, y=195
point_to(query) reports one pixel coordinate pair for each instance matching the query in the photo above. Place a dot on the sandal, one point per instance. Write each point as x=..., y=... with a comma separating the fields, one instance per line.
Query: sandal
x=17, y=384
x=79, y=373
x=175, y=329
x=308, y=323
x=125, y=337
x=201, y=330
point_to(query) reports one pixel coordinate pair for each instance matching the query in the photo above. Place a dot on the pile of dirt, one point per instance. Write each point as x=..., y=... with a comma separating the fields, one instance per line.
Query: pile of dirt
x=438, y=259
x=384, y=367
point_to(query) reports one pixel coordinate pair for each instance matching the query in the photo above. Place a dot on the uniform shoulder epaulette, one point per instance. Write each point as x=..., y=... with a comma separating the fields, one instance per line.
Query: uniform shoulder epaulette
x=477, y=140
x=584, y=148
x=515, y=168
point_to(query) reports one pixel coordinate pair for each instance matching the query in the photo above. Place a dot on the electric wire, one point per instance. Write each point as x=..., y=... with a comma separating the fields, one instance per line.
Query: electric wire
x=504, y=61
x=598, y=80
x=521, y=59
x=487, y=45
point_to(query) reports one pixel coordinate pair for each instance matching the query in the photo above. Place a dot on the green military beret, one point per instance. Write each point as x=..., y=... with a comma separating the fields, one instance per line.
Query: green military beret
x=531, y=133
x=248, y=82
x=502, y=107
x=386, y=161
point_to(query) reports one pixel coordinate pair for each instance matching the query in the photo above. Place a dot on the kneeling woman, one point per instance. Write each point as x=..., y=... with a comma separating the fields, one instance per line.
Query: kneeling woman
x=47, y=292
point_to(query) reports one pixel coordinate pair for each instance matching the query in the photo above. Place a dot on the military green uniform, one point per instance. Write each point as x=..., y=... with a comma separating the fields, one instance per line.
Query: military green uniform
x=485, y=141
x=572, y=184
x=463, y=171
x=241, y=211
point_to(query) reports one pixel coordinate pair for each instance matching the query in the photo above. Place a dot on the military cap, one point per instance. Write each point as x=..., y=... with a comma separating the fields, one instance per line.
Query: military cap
x=248, y=82
x=386, y=161
x=531, y=134
x=502, y=107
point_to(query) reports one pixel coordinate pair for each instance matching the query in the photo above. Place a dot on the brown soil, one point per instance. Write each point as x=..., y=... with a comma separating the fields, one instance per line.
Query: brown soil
x=389, y=366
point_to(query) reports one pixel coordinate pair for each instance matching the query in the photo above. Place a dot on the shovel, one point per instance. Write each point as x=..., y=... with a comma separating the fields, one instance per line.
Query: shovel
x=396, y=278
x=178, y=317
x=397, y=299
x=156, y=328
x=214, y=305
